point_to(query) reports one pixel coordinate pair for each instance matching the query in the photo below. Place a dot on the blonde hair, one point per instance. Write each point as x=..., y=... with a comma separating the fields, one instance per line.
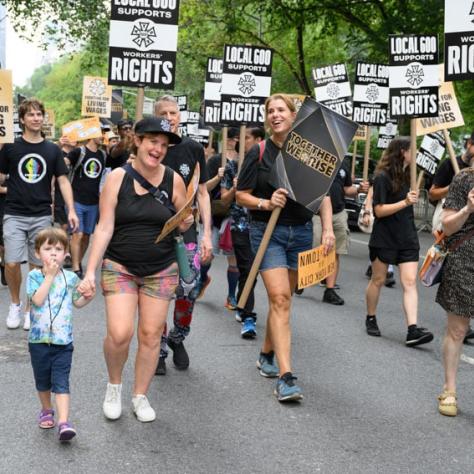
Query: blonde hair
x=278, y=96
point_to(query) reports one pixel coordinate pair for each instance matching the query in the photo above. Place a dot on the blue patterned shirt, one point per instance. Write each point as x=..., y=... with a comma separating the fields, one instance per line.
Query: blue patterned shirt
x=239, y=216
x=51, y=323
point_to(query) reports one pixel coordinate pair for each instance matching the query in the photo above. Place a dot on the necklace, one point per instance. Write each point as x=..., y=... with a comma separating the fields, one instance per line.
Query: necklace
x=51, y=317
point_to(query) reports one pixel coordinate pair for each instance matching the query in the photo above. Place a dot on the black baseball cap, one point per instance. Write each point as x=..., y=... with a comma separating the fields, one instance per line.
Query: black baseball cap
x=156, y=125
x=124, y=122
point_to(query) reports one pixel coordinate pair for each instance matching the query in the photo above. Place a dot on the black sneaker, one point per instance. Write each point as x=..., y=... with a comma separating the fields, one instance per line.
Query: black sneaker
x=469, y=334
x=368, y=272
x=67, y=262
x=331, y=297
x=299, y=292
x=417, y=336
x=389, y=280
x=2, y=272
x=180, y=356
x=79, y=274
x=372, y=327
x=161, y=367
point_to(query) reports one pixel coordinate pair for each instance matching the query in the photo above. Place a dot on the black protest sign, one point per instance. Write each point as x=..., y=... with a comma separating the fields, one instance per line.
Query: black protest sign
x=387, y=133
x=459, y=40
x=117, y=106
x=370, y=105
x=431, y=151
x=333, y=89
x=212, y=91
x=312, y=154
x=143, y=42
x=201, y=135
x=414, y=75
x=182, y=101
x=246, y=83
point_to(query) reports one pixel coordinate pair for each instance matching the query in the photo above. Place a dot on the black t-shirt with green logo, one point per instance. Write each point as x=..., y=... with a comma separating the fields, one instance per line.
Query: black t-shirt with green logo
x=86, y=179
x=31, y=167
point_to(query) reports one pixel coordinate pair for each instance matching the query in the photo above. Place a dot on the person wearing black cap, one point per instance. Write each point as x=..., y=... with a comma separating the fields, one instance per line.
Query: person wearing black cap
x=137, y=273
x=184, y=159
x=440, y=187
x=120, y=153
x=220, y=212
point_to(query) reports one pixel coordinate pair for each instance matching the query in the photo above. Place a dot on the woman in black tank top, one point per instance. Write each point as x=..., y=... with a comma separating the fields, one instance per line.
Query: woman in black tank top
x=136, y=272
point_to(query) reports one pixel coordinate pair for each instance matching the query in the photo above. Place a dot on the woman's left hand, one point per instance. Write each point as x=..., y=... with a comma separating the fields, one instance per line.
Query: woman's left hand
x=187, y=223
x=328, y=239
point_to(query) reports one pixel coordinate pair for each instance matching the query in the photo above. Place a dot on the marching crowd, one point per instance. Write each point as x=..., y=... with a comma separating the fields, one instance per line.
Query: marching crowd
x=122, y=195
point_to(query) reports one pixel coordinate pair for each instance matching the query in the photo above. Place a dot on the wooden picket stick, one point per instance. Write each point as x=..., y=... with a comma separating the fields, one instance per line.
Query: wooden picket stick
x=209, y=145
x=413, y=183
x=139, y=104
x=259, y=257
x=354, y=158
x=243, y=130
x=452, y=154
x=365, y=171
x=224, y=146
x=420, y=179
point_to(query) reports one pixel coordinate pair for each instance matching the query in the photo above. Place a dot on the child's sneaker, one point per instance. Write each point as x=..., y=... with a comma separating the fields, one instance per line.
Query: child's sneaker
x=14, y=318
x=26, y=323
x=65, y=431
x=142, y=409
x=113, y=401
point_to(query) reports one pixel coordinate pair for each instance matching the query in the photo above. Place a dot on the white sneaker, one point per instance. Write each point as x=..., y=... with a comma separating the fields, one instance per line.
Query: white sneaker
x=142, y=409
x=26, y=323
x=113, y=401
x=13, y=318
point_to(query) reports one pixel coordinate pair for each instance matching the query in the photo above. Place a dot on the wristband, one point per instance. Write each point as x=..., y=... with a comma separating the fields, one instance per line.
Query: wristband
x=260, y=203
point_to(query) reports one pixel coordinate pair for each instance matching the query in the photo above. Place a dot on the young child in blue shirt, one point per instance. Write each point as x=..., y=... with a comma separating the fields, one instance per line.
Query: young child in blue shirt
x=52, y=292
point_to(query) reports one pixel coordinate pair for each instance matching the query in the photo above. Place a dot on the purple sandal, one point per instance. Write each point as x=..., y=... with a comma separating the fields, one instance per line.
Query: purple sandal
x=65, y=431
x=46, y=419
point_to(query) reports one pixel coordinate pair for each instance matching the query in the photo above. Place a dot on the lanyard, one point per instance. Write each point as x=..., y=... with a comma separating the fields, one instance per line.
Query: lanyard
x=51, y=317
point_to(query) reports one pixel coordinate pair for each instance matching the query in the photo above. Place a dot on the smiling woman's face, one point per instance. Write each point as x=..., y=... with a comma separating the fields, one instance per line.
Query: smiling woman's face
x=279, y=117
x=151, y=149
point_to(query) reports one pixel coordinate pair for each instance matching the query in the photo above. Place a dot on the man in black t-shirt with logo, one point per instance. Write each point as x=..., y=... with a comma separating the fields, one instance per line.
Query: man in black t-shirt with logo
x=440, y=187
x=183, y=159
x=87, y=163
x=31, y=163
x=119, y=153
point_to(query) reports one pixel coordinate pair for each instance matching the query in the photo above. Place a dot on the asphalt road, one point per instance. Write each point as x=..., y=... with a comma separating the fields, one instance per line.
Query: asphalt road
x=370, y=403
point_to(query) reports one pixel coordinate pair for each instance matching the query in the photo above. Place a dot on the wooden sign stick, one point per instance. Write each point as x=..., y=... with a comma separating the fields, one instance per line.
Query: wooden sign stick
x=413, y=184
x=224, y=146
x=259, y=257
x=139, y=103
x=365, y=171
x=452, y=154
x=420, y=179
x=209, y=145
x=354, y=158
x=243, y=130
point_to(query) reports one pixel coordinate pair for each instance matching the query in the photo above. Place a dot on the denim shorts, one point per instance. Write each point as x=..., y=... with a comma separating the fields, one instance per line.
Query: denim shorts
x=51, y=366
x=285, y=244
x=87, y=217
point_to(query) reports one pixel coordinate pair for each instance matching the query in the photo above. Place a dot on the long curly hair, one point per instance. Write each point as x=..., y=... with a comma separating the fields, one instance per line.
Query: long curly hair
x=392, y=163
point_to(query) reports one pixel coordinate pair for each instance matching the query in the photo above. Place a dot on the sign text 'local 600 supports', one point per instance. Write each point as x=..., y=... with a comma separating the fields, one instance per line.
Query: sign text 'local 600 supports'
x=414, y=75
x=370, y=94
x=143, y=42
x=212, y=91
x=246, y=83
x=459, y=39
x=333, y=89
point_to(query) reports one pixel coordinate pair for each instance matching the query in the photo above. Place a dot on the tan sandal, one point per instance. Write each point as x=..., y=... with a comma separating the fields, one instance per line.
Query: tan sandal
x=448, y=408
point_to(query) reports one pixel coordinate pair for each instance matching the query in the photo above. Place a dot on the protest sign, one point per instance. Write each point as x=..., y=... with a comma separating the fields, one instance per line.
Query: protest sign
x=370, y=105
x=387, y=133
x=414, y=75
x=173, y=222
x=49, y=124
x=246, y=83
x=143, y=43
x=117, y=106
x=212, y=91
x=81, y=130
x=314, y=266
x=361, y=134
x=333, y=89
x=96, y=97
x=430, y=153
x=6, y=107
x=201, y=135
x=182, y=101
x=449, y=116
x=459, y=39
x=312, y=154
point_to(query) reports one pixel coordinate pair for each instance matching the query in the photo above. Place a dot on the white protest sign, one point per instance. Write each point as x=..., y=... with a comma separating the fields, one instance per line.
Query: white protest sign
x=431, y=151
x=212, y=91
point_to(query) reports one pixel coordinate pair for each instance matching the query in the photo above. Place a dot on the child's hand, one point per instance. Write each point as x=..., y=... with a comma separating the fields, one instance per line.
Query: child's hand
x=87, y=289
x=50, y=267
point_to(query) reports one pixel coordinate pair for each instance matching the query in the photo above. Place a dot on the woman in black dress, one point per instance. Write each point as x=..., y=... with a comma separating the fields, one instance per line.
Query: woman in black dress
x=394, y=239
x=456, y=291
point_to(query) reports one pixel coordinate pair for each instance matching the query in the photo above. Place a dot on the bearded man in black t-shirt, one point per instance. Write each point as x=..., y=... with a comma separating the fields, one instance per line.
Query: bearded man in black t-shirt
x=31, y=163
x=183, y=159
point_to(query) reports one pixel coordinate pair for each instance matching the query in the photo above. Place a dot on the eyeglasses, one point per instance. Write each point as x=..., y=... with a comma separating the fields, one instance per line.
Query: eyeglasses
x=127, y=127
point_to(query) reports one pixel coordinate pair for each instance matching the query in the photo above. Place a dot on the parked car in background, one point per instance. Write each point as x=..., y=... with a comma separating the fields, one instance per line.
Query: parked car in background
x=354, y=205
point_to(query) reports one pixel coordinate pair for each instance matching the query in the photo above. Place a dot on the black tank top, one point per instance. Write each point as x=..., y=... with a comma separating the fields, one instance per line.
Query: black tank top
x=138, y=222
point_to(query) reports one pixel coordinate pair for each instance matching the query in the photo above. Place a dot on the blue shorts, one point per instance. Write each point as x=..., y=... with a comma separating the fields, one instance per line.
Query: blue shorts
x=87, y=217
x=51, y=366
x=285, y=244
